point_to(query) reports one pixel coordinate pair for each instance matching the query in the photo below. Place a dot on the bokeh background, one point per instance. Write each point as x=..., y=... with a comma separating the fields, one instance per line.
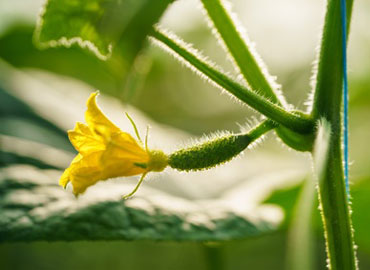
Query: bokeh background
x=41, y=88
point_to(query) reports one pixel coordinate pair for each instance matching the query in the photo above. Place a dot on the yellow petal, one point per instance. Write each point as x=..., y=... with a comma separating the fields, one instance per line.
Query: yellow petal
x=84, y=179
x=123, y=148
x=96, y=120
x=127, y=145
x=65, y=178
x=105, y=152
x=121, y=169
x=84, y=140
x=86, y=172
x=121, y=154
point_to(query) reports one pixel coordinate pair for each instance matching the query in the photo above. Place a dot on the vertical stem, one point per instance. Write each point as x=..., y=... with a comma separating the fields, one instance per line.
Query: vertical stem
x=327, y=104
x=335, y=212
x=329, y=77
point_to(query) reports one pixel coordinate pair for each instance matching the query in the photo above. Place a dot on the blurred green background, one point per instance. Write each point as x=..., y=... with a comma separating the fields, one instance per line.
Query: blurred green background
x=286, y=33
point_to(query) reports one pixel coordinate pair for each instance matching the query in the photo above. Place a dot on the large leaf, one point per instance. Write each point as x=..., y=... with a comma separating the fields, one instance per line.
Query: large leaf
x=33, y=207
x=16, y=48
x=220, y=204
x=123, y=24
x=20, y=120
x=115, y=30
x=96, y=24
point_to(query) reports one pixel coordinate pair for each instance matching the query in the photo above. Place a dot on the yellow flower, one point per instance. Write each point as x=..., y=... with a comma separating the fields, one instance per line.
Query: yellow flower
x=107, y=152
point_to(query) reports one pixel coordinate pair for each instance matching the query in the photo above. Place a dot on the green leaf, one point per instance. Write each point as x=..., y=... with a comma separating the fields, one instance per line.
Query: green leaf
x=15, y=150
x=33, y=207
x=95, y=24
x=18, y=119
x=173, y=207
x=286, y=198
x=115, y=30
x=11, y=106
x=84, y=22
x=16, y=48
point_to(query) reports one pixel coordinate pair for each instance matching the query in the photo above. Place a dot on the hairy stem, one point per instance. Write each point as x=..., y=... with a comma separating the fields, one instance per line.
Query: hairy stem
x=327, y=104
x=298, y=123
x=238, y=46
x=261, y=129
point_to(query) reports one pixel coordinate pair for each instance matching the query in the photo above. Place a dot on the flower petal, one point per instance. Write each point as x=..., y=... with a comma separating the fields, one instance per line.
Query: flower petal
x=121, y=154
x=104, y=151
x=96, y=120
x=118, y=169
x=65, y=178
x=85, y=172
x=84, y=140
x=122, y=147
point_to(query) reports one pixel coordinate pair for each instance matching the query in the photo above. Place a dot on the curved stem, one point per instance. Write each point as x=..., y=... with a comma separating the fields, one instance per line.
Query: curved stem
x=238, y=46
x=261, y=129
x=136, y=187
x=273, y=111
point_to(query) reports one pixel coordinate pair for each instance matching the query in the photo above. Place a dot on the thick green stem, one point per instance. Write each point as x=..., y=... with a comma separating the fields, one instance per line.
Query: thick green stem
x=299, y=123
x=335, y=212
x=238, y=47
x=327, y=104
x=329, y=77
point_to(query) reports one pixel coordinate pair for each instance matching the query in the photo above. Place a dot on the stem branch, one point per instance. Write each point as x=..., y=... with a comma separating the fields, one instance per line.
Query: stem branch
x=246, y=59
x=273, y=111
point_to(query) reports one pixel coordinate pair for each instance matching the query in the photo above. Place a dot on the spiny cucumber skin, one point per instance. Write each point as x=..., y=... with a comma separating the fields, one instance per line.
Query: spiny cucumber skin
x=208, y=154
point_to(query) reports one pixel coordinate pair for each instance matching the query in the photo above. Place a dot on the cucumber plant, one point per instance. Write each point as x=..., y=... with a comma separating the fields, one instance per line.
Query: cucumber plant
x=101, y=26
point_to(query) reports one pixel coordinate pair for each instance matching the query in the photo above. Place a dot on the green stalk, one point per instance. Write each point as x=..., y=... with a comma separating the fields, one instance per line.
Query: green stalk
x=261, y=129
x=252, y=67
x=299, y=123
x=239, y=49
x=327, y=104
